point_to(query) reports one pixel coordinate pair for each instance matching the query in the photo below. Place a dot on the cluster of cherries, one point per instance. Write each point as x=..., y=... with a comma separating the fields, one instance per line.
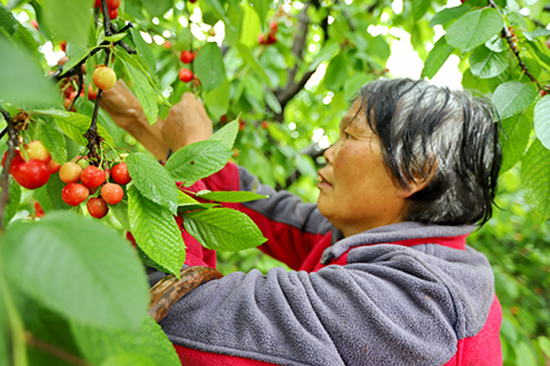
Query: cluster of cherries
x=81, y=182
x=112, y=5
x=185, y=74
x=271, y=36
x=32, y=169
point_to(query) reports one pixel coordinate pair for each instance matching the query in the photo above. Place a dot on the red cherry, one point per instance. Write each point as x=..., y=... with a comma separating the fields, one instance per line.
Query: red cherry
x=192, y=1
x=31, y=174
x=186, y=57
x=271, y=38
x=113, y=14
x=113, y=4
x=97, y=3
x=167, y=45
x=92, y=177
x=53, y=166
x=273, y=26
x=186, y=75
x=74, y=194
x=92, y=93
x=119, y=173
x=70, y=172
x=17, y=159
x=223, y=119
x=39, y=212
x=261, y=39
x=97, y=207
x=112, y=193
x=265, y=124
x=63, y=46
x=34, y=24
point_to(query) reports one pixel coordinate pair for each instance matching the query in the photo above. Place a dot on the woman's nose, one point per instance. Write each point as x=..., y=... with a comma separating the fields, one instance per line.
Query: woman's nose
x=329, y=153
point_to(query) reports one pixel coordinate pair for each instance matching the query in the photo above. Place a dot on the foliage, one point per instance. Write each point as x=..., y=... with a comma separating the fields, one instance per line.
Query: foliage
x=285, y=73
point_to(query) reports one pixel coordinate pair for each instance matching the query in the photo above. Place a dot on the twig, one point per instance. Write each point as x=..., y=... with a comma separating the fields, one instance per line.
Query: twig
x=53, y=350
x=513, y=46
x=12, y=144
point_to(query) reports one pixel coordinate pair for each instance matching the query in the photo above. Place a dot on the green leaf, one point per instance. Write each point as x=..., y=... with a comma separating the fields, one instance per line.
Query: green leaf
x=185, y=199
x=148, y=342
x=144, y=49
x=155, y=231
x=251, y=60
x=250, y=27
x=223, y=229
x=525, y=354
x=115, y=37
x=54, y=141
x=515, y=139
x=14, y=194
x=128, y=359
x=69, y=20
x=8, y=21
x=209, y=66
x=25, y=83
x=326, y=53
x=485, y=63
x=262, y=8
x=542, y=120
x=544, y=344
x=436, y=58
x=75, y=125
x=79, y=268
x=152, y=180
x=272, y=102
x=53, y=189
x=230, y=196
x=513, y=97
x=157, y=8
x=76, y=55
x=537, y=33
x=420, y=8
x=447, y=15
x=535, y=175
x=474, y=29
x=143, y=91
x=217, y=101
x=120, y=212
x=198, y=160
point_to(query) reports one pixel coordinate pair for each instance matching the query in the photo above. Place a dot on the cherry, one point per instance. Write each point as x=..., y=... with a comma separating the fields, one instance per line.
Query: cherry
x=35, y=150
x=92, y=93
x=167, y=45
x=17, y=159
x=186, y=75
x=265, y=124
x=187, y=57
x=97, y=207
x=104, y=77
x=120, y=174
x=112, y=193
x=74, y=194
x=53, y=166
x=113, y=14
x=261, y=39
x=273, y=26
x=31, y=174
x=39, y=212
x=34, y=24
x=63, y=46
x=271, y=38
x=92, y=177
x=70, y=172
x=113, y=4
x=97, y=3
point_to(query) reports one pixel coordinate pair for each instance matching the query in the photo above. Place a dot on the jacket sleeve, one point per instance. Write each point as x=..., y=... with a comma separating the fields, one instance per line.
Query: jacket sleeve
x=393, y=306
x=291, y=226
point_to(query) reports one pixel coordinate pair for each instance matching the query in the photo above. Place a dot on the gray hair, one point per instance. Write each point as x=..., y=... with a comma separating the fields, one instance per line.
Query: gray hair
x=448, y=138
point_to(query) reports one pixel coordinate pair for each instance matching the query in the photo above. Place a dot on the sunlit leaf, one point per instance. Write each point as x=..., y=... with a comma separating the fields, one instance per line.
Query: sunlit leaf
x=436, y=58
x=474, y=29
x=209, y=66
x=485, y=63
x=535, y=175
x=513, y=97
x=542, y=120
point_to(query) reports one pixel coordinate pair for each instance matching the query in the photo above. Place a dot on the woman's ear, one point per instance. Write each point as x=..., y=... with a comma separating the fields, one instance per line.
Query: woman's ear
x=420, y=180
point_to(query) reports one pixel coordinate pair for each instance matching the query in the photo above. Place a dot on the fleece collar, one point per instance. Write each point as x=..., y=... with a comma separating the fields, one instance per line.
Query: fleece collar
x=402, y=233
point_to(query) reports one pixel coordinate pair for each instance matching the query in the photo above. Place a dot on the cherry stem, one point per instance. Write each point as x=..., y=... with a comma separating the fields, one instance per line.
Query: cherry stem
x=12, y=144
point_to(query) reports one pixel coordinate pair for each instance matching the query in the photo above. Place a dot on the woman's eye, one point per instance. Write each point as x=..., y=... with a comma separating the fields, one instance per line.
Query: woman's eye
x=347, y=135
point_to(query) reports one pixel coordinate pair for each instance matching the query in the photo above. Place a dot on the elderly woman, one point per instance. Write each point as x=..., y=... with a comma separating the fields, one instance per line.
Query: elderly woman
x=381, y=273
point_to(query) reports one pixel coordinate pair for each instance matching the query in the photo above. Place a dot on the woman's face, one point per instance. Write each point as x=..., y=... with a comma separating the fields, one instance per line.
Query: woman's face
x=357, y=190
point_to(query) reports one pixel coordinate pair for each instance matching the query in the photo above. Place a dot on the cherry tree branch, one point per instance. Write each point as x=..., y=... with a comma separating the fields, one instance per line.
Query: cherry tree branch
x=12, y=144
x=513, y=45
